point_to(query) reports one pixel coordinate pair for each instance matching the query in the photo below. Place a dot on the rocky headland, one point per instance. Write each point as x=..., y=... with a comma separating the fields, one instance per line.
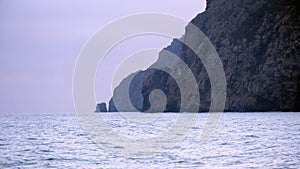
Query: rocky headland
x=258, y=42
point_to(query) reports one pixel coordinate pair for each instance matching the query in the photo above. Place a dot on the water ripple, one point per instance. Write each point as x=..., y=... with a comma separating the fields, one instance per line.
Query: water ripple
x=242, y=140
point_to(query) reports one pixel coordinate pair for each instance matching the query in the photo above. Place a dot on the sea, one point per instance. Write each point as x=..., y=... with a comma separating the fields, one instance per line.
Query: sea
x=239, y=140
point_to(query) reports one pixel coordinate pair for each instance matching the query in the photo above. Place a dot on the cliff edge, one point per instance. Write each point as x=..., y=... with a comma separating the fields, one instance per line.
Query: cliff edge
x=258, y=42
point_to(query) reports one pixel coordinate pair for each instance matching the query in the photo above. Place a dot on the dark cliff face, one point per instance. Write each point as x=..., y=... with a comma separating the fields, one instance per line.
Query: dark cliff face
x=258, y=43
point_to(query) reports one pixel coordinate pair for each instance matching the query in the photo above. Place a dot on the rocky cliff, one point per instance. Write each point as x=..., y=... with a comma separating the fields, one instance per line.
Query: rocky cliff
x=258, y=42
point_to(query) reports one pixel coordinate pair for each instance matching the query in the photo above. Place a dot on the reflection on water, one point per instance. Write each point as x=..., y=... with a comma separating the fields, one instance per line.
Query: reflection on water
x=242, y=140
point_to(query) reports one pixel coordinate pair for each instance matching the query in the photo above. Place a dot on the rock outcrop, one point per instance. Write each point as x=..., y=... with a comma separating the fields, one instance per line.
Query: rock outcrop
x=101, y=107
x=258, y=42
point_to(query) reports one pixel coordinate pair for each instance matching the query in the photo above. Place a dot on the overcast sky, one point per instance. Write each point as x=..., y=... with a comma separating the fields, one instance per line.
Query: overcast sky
x=40, y=41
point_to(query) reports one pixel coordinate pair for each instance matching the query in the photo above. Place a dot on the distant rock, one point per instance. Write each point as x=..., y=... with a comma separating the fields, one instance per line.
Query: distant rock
x=258, y=42
x=101, y=107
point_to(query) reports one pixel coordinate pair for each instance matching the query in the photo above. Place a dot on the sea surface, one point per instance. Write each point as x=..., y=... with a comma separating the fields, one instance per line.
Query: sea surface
x=242, y=140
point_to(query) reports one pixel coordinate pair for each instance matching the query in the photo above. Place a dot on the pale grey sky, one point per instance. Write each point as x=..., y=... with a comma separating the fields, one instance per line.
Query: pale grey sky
x=41, y=40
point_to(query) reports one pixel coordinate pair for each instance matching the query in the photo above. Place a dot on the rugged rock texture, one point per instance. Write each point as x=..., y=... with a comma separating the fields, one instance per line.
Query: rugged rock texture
x=258, y=42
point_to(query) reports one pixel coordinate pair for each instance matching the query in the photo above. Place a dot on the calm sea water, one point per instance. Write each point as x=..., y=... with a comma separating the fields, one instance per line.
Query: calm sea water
x=242, y=140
